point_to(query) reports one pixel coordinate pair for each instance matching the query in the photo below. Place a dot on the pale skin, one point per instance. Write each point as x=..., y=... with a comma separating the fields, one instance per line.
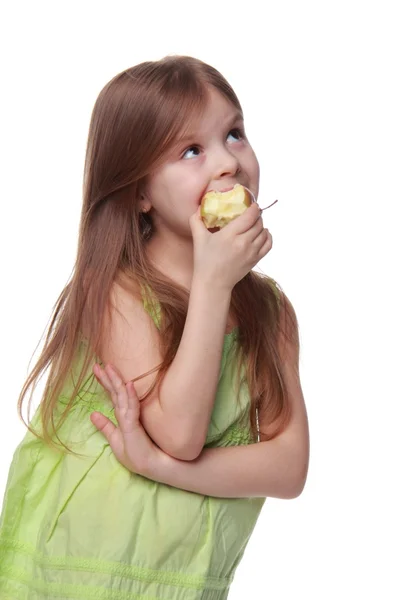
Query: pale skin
x=162, y=438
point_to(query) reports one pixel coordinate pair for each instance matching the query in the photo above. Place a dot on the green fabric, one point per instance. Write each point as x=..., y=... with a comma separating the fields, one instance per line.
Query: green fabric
x=86, y=527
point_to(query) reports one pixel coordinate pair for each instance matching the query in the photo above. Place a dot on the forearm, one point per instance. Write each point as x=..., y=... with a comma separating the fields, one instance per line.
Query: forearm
x=187, y=394
x=264, y=469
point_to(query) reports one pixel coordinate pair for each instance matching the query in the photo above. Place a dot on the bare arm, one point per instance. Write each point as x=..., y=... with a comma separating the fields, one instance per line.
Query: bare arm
x=187, y=393
x=177, y=415
x=271, y=468
x=276, y=468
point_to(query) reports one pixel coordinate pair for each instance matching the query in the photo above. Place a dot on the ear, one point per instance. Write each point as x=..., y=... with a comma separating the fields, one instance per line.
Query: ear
x=145, y=207
x=144, y=201
x=144, y=204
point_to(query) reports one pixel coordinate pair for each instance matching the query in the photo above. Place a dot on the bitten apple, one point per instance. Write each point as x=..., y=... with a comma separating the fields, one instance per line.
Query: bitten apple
x=219, y=208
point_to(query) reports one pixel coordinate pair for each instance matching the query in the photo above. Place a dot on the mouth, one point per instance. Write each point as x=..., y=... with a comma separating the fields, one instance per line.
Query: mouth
x=230, y=188
x=221, y=191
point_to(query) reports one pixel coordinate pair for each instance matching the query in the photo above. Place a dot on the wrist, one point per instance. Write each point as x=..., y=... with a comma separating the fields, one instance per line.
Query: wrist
x=211, y=284
x=159, y=466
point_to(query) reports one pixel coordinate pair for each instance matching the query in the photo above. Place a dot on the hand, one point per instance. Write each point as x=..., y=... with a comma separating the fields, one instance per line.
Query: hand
x=226, y=256
x=130, y=443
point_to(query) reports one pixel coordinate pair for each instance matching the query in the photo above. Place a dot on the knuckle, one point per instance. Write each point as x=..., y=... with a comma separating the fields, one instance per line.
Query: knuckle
x=118, y=384
x=258, y=225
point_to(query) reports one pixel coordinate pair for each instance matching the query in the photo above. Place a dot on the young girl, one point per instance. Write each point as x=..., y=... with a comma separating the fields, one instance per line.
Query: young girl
x=173, y=405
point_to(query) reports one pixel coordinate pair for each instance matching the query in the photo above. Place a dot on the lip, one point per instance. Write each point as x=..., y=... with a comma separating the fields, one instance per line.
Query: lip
x=226, y=189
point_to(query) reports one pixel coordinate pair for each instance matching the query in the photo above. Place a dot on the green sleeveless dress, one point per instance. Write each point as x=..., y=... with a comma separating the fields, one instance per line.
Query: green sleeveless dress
x=82, y=528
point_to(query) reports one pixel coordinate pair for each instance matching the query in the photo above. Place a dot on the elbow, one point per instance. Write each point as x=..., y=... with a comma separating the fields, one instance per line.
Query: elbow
x=185, y=453
x=297, y=482
x=184, y=449
x=295, y=489
x=296, y=476
x=177, y=438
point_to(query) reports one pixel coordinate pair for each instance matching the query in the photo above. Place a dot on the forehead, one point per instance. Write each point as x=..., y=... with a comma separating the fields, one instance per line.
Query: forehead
x=217, y=112
x=218, y=102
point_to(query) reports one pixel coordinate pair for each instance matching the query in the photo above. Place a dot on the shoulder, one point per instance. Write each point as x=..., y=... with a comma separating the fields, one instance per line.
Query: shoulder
x=124, y=299
x=130, y=339
x=128, y=314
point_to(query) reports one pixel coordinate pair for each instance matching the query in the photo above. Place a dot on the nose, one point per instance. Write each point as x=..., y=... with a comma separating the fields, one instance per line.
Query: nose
x=226, y=163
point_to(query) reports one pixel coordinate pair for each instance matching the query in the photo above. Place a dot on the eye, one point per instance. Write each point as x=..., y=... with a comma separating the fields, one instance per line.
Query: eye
x=187, y=154
x=237, y=133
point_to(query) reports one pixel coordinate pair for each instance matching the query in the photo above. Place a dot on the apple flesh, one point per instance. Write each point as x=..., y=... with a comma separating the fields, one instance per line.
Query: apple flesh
x=220, y=208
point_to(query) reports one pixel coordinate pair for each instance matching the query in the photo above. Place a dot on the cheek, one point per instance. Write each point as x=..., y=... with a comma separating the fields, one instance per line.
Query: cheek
x=176, y=187
x=255, y=163
x=189, y=187
x=254, y=169
x=161, y=192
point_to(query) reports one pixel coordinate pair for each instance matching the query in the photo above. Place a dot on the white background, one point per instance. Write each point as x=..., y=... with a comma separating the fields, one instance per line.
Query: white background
x=319, y=84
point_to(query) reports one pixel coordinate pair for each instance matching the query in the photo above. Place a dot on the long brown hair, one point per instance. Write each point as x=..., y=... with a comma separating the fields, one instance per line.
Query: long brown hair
x=136, y=119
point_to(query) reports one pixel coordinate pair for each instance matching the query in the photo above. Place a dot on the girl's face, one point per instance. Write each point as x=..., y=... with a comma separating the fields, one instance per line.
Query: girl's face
x=215, y=156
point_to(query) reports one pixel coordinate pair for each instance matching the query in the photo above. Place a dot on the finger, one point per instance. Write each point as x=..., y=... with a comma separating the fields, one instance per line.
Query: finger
x=111, y=433
x=103, y=378
x=105, y=426
x=133, y=400
x=114, y=368
x=243, y=222
x=128, y=416
x=266, y=246
x=118, y=387
x=252, y=234
x=260, y=239
x=197, y=224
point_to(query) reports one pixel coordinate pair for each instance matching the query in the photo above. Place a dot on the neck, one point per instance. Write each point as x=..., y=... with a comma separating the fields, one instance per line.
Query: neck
x=173, y=256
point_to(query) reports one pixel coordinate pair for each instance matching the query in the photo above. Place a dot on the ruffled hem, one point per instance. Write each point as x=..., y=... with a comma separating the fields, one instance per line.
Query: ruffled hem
x=27, y=575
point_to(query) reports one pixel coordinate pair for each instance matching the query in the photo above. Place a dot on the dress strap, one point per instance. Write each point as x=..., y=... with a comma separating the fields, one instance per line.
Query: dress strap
x=151, y=304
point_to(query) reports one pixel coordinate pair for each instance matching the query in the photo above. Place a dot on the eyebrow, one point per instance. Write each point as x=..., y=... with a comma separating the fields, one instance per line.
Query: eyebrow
x=238, y=116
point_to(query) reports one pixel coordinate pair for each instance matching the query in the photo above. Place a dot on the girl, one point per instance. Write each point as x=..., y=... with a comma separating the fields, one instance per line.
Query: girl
x=150, y=490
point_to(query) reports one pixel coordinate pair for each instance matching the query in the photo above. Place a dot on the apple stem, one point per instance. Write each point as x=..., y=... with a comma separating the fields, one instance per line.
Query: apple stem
x=269, y=205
